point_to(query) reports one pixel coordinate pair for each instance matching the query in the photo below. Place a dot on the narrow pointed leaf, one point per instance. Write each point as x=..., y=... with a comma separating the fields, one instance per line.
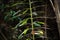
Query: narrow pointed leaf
x=23, y=22
x=16, y=4
x=25, y=31
x=36, y=24
x=20, y=36
x=25, y=10
x=40, y=22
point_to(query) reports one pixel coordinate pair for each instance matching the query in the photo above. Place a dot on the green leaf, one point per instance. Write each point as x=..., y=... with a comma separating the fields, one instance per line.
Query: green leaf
x=9, y=15
x=25, y=10
x=28, y=39
x=16, y=4
x=12, y=12
x=34, y=13
x=39, y=33
x=16, y=12
x=40, y=22
x=23, y=22
x=20, y=36
x=36, y=24
x=25, y=31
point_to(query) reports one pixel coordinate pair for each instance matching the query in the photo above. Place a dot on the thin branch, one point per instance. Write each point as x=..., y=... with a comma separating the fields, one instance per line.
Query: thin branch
x=31, y=19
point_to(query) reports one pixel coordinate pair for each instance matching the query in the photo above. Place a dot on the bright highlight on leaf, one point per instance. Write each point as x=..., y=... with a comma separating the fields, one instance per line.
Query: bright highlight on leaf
x=39, y=32
x=25, y=10
x=41, y=22
x=23, y=22
x=25, y=31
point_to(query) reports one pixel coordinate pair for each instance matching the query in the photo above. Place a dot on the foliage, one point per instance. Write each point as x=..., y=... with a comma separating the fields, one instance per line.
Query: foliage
x=22, y=18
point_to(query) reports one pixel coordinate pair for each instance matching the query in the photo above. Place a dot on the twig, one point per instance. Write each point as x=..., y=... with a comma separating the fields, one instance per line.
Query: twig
x=31, y=19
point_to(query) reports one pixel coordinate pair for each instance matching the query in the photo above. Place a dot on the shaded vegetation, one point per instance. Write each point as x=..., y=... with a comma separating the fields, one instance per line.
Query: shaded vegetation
x=27, y=20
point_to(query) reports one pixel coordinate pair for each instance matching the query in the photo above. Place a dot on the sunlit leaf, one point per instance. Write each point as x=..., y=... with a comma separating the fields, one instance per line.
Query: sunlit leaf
x=39, y=33
x=25, y=11
x=28, y=39
x=23, y=22
x=34, y=13
x=25, y=31
x=40, y=22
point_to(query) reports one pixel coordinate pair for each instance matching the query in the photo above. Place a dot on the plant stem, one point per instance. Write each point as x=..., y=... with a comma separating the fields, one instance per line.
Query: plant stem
x=31, y=19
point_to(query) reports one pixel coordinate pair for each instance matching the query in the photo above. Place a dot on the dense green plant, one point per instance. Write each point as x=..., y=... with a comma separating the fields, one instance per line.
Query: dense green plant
x=26, y=25
x=27, y=20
